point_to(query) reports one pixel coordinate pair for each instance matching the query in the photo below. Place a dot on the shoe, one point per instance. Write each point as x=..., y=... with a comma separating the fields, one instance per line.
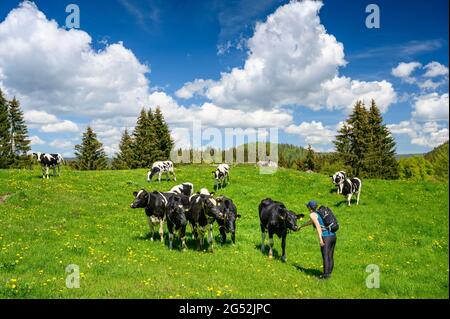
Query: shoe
x=324, y=277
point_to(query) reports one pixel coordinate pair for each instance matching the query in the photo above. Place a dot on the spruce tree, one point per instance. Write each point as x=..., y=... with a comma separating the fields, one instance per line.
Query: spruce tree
x=124, y=158
x=344, y=146
x=90, y=154
x=5, y=133
x=144, y=144
x=359, y=122
x=19, y=133
x=380, y=158
x=310, y=160
x=163, y=138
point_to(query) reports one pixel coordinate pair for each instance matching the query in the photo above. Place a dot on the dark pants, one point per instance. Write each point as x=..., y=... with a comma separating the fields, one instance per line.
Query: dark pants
x=328, y=254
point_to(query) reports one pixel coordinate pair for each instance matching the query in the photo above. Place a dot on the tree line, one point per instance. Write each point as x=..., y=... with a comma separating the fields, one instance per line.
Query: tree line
x=150, y=141
x=14, y=142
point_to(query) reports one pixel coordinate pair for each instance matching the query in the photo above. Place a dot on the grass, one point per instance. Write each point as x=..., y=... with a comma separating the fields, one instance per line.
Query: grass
x=84, y=218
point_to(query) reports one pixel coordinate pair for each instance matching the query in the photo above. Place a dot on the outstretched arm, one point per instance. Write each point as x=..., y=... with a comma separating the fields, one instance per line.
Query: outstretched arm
x=309, y=222
x=318, y=228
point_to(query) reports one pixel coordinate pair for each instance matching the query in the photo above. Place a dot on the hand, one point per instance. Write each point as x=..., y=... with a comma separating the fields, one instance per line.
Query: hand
x=322, y=243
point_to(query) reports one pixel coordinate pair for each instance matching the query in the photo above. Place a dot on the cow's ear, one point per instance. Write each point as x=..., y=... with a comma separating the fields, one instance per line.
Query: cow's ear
x=238, y=216
x=135, y=194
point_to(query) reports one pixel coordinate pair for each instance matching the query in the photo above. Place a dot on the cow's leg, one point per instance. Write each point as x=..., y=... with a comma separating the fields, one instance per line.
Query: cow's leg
x=182, y=235
x=357, y=196
x=167, y=176
x=54, y=170
x=223, y=234
x=59, y=170
x=170, y=229
x=161, y=229
x=201, y=236
x=46, y=172
x=233, y=237
x=349, y=198
x=150, y=225
x=263, y=237
x=173, y=173
x=270, y=245
x=210, y=237
x=159, y=176
x=283, y=248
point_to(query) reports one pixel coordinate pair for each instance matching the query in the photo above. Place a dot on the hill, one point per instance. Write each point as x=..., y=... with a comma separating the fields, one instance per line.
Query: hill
x=84, y=218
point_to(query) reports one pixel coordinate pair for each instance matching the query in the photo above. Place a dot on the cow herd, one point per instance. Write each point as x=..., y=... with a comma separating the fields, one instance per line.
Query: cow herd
x=181, y=206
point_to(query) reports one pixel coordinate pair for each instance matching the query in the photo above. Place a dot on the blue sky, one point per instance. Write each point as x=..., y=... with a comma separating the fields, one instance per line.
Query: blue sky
x=181, y=41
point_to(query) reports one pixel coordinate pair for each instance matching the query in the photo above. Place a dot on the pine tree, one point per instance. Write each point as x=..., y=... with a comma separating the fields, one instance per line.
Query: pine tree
x=163, y=138
x=90, y=153
x=365, y=145
x=310, y=160
x=359, y=122
x=380, y=158
x=124, y=158
x=19, y=132
x=144, y=144
x=344, y=146
x=5, y=133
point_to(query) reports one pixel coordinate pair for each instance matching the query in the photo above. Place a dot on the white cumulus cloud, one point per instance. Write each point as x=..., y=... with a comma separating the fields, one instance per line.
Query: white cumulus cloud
x=434, y=69
x=313, y=132
x=431, y=107
x=292, y=60
x=63, y=126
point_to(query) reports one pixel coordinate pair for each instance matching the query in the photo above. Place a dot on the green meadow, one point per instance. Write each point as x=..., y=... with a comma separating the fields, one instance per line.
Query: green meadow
x=84, y=218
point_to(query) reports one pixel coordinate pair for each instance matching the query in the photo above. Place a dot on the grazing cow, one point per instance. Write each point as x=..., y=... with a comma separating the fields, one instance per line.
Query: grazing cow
x=177, y=208
x=338, y=179
x=221, y=174
x=185, y=189
x=276, y=219
x=351, y=186
x=161, y=168
x=155, y=204
x=49, y=160
x=227, y=224
x=202, y=214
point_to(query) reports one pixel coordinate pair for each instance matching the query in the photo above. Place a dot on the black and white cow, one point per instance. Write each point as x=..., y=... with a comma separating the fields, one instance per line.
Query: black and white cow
x=47, y=161
x=177, y=209
x=159, y=168
x=227, y=224
x=338, y=179
x=275, y=218
x=202, y=214
x=155, y=204
x=352, y=186
x=185, y=189
x=221, y=174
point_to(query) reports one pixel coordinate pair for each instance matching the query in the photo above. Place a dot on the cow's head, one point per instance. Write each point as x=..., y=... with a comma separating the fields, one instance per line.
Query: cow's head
x=210, y=206
x=140, y=199
x=176, y=211
x=338, y=178
x=289, y=218
x=229, y=214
